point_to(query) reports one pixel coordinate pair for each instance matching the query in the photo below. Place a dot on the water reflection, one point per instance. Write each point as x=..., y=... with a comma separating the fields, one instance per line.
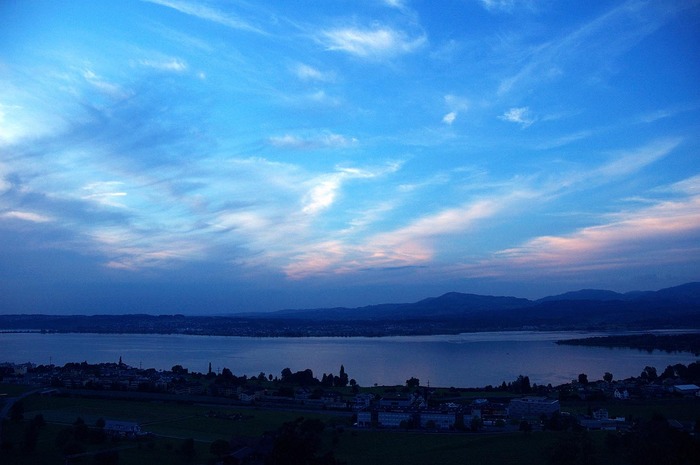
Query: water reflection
x=474, y=359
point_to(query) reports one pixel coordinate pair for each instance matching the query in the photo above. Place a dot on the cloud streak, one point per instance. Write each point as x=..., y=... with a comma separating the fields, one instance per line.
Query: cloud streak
x=633, y=19
x=328, y=140
x=206, y=13
x=627, y=238
x=375, y=43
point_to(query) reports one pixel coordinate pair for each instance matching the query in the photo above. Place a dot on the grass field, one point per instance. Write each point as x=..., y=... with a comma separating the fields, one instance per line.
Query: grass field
x=673, y=408
x=384, y=447
x=169, y=419
x=173, y=423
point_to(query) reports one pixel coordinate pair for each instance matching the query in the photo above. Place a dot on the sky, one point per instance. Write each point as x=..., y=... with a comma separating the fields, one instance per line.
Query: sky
x=220, y=156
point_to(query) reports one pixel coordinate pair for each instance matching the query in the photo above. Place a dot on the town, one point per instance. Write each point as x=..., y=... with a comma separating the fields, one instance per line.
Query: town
x=513, y=407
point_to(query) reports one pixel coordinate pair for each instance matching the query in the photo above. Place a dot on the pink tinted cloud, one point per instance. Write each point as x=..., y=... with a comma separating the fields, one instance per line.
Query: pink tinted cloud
x=654, y=233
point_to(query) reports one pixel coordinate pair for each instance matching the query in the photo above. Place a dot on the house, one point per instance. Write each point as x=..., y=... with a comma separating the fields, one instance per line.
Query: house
x=440, y=420
x=686, y=389
x=302, y=393
x=251, y=395
x=621, y=395
x=396, y=401
x=364, y=419
x=600, y=414
x=393, y=419
x=122, y=428
x=362, y=401
x=533, y=407
x=331, y=397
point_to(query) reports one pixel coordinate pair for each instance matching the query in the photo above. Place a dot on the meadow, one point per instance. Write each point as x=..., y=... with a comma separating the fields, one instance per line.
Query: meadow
x=174, y=425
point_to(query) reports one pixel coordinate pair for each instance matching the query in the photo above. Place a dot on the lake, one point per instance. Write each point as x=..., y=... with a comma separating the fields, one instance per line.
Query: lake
x=463, y=360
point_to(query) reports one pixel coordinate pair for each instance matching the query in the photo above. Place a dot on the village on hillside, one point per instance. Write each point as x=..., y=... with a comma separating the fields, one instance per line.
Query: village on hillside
x=518, y=403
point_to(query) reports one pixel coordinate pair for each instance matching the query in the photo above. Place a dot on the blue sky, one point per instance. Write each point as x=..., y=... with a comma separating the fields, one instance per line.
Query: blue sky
x=218, y=156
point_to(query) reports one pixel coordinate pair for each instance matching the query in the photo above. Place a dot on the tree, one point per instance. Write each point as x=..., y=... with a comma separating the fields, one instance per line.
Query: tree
x=343, y=378
x=521, y=385
x=188, y=450
x=298, y=442
x=31, y=437
x=649, y=373
x=179, y=370
x=220, y=447
x=73, y=447
x=525, y=426
x=572, y=448
x=475, y=424
x=81, y=431
x=608, y=377
x=413, y=382
x=583, y=379
x=106, y=458
x=17, y=412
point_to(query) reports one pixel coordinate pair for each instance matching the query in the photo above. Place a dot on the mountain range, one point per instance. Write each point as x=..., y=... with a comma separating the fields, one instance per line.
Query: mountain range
x=451, y=313
x=670, y=306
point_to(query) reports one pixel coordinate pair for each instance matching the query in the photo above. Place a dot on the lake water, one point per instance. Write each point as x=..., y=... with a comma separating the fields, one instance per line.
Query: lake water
x=464, y=360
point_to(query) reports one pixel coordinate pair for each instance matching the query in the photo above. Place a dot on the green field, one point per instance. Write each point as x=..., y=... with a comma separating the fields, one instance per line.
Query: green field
x=173, y=423
x=366, y=447
x=672, y=408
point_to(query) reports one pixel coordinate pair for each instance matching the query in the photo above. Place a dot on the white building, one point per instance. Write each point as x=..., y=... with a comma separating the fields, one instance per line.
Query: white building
x=532, y=407
x=393, y=419
x=364, y=419
x=441, y=420
x=686, y=389
x=122, y=428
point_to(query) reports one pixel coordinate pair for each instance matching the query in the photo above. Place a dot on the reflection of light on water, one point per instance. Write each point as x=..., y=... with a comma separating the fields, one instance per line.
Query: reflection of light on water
x=493, y=336
x=464, y=360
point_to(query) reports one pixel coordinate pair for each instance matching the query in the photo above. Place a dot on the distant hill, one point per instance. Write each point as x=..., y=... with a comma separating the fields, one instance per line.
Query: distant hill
x=450, y=305
x=587, y=294
x=587, y=309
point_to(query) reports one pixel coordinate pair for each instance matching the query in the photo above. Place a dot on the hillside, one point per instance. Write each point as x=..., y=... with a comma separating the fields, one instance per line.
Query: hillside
x=676, y=307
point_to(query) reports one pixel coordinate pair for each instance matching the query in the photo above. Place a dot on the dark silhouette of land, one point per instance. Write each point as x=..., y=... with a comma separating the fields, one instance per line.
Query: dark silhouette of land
x=451, y=313
x=649, y=342
x=649, y=419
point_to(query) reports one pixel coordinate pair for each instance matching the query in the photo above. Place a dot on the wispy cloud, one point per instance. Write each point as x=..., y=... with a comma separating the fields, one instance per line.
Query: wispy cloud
x=328, y=140
x=173, y=64
x=624, y=239
x=411, y=245
x=395, y=3
x=519, y=115
x=423, y=240
x=111, y=89
x=309, y=73
x=105, y=193
x=455, y=105
x=26, y=216
x=505, y=5
x=567, y=139
x=620, y=164
x=625, y=163
x=591, y=43
x=207, y=13
x=376, y=42
x=664, y=113
x=324, y=189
